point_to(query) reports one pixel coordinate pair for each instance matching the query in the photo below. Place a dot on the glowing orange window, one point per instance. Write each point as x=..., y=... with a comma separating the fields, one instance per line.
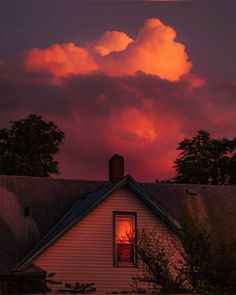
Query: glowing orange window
x=124, y=238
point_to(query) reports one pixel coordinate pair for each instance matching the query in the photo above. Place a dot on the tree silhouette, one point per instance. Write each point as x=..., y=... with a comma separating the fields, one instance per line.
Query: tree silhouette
x=28, y=147
x=206, y=160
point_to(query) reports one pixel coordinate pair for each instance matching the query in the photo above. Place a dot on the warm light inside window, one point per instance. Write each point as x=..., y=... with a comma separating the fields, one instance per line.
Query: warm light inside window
x=124, y=239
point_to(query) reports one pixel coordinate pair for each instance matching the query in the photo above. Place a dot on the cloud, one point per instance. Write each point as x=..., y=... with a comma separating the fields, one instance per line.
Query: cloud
x=59, y=60
x=141, y=117
x=154, y=51
x=111, y=41
x=117, y=94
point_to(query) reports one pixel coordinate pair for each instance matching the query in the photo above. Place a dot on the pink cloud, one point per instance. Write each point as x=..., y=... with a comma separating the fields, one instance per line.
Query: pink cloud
x=111, y=41
x=59, y=60
x=154, y=51
x=141, y=117
x=121, y=95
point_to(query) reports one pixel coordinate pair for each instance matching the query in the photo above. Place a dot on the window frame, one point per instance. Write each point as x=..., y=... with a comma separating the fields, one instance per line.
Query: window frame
x=134, y=216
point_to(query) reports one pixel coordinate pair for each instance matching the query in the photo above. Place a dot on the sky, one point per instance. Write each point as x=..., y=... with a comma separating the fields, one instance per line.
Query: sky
x=120, y=77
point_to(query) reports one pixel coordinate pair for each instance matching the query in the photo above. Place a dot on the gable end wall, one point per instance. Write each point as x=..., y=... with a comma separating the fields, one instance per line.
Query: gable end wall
x=85, y=252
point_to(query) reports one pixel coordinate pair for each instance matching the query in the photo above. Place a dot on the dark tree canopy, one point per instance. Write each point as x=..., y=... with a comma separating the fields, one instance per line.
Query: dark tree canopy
x=206, y=160
x=28, y=147
x=209, y=247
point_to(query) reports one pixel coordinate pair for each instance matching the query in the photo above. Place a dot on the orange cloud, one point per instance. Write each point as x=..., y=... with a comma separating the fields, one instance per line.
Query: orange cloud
x=154, y=52
x=112, y=41
x=194, y=81
x=60, y=60
x=141, y=117
x=138, y=124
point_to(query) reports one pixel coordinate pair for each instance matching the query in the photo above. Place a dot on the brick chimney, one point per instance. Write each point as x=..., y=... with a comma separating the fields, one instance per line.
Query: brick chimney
x=116, y=168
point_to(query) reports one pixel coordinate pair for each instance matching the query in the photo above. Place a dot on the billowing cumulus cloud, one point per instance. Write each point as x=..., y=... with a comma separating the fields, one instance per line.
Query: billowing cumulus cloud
x=154, y=51
x=112, y=41
x=116, y=94
x=60, y=60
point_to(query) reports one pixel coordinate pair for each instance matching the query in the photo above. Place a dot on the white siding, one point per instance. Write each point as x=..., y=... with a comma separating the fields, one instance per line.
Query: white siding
x=85, y=252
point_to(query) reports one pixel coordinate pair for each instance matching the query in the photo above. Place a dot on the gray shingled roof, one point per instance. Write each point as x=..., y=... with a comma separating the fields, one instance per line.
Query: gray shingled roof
x=171, y=196
x=48, y=201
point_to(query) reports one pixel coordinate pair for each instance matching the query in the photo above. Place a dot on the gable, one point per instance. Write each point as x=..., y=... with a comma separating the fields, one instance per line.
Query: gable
x=86, y=205
x=85, y=251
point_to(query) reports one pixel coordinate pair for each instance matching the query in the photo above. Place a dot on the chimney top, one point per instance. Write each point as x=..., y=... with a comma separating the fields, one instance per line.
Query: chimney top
x=116, y=168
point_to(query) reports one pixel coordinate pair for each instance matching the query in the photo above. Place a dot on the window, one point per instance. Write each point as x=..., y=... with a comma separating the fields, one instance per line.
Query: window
x=124, y=238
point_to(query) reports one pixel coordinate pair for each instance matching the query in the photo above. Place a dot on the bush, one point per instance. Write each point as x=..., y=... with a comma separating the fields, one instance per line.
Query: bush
x=157, y=276
x=210, y=249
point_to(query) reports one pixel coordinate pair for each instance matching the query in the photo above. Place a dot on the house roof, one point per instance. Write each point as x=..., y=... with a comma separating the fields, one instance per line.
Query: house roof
x=86, y=204
x=46, y=200
x=36, y=210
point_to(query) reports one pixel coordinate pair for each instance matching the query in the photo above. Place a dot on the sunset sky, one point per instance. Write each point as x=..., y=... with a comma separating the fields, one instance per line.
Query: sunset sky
x=126, y=77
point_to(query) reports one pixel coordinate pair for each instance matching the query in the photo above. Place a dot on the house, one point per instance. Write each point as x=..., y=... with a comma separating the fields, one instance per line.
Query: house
x=78, y=229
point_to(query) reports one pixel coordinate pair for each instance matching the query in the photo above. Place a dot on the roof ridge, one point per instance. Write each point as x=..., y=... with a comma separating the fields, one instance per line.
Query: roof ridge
x=51, y=178
x=186, y=184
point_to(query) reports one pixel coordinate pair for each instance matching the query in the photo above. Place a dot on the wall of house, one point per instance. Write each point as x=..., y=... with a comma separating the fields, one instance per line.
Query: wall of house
x=85, y=252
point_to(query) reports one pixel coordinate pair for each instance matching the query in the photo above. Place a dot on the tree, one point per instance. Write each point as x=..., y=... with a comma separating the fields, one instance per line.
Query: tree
x=196, y=240
x=28, y=147
x=209, y=248
x=206, y=160
x=158, y=274
x=209, y=255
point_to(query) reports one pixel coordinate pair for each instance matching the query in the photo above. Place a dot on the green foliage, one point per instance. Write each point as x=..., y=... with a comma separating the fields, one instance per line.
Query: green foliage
x=210, y=249
x=28, y=147
x=205, y=160
x=156, y=276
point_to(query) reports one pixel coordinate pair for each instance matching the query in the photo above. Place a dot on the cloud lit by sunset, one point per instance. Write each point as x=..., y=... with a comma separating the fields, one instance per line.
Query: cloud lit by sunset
x=112, y=41
x=154, y=51
x=59, y=60
x=132, y=94
x=138, y=124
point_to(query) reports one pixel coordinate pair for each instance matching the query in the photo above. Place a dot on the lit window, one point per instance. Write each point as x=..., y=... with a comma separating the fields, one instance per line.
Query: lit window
x=124, y=238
